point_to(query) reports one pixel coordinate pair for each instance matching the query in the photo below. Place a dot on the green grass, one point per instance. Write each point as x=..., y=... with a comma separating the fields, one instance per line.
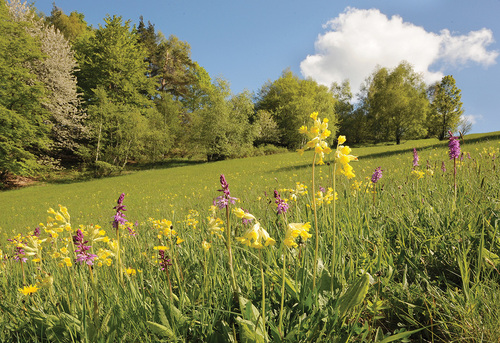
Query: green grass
x=433, y=260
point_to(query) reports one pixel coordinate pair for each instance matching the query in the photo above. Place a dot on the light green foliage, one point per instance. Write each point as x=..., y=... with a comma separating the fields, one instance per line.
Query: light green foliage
x=23, y=130
x=290, y=100
x=396, y=103
x=73, y=27
x=446, y=108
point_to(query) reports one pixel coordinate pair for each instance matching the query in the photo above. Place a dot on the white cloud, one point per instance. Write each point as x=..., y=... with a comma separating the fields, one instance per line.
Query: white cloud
x=358, y=40
x=472, y=118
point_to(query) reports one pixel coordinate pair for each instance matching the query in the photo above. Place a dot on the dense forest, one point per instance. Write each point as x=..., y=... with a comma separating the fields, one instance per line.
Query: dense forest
x=73, y=96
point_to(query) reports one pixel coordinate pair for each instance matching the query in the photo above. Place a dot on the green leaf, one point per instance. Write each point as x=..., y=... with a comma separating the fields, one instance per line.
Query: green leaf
x=160, y=330
x=354, y=295
x=399, y=336
x=248, y=332
x=492, y=260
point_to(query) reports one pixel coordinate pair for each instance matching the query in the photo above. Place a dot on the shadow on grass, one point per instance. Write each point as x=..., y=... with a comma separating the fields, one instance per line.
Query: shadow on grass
x=469, y=139
x=75, y=177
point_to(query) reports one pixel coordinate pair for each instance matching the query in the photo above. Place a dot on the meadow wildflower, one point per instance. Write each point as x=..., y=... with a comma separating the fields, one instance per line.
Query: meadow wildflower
x=417, y=174
x=28, y=290
x=294, y=231
x=415, y=158
x=281, y=204
x=377, y=175
x=454, y=146
x=205, y=246
x=82, y=250
x=317, y=134
x=224, y=200
x=342, y=159
x=256, y=237
x=119, y=217
x=443, y=167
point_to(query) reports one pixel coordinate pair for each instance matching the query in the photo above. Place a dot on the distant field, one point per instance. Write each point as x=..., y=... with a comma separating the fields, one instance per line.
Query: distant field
x=158, y=192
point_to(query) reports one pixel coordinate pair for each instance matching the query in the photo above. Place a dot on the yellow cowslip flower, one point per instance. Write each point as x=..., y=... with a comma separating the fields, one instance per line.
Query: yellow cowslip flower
x=417, y=174
x=160, y=247
x=179, y=240
x=430, y=172
x=130, y=271
x=341, y=140
x=205, y=246
x=325, y=198
x=215, y=226
x=294, y=230
x=240, y=213
x=342, y=158
x=67, y=261
x=27, y=290
x=317, y=135
x=256, y=237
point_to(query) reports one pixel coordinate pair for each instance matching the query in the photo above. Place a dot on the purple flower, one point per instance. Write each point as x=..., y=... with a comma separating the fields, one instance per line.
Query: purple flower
x=377, y=174
x=282, y=205
x=36, y=232
x=223, y=201
x=164, y=260
x=454, y=146
x=78, y=238
x=119, y=217
x=87, y=258
x=443, y=167
x=415, y=158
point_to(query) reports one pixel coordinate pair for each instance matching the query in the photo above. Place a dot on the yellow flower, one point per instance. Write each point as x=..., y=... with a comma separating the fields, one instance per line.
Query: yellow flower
x=130, y=271
x=240, y=213
x=303, y=129
x=160, y=247
x=417, y=174
x=256, y=237
x=179, y=240
x=67, y=261
x=300, y=151
x=27, y=290
x=206, y=246
x=314, y=115
x=317, y=135
x=294, y=230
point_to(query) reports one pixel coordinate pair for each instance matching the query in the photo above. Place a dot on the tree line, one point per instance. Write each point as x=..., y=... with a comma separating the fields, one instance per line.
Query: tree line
x=72, y=95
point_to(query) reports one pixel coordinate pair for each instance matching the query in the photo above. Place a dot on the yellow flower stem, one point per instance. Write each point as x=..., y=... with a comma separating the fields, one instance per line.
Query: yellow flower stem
x=118, y=260
x=280, y=327
x=334, y=243
x=94, y=289
x=316, y=248
x=22, y=269
x=263, y=295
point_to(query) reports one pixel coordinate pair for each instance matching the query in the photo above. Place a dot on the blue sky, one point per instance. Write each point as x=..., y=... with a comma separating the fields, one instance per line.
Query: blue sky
x=251, y=42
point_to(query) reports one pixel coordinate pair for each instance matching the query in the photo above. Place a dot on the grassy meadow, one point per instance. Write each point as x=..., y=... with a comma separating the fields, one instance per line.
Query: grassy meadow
x=411, y=257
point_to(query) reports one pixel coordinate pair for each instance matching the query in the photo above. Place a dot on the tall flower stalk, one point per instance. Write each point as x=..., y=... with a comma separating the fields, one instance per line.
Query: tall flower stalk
x=376, y=176
x=222, y=202
x=256, y=237
x=119, y=219
x=454, y=153
x=340, y=166
x=282, y=208
x=317, y=134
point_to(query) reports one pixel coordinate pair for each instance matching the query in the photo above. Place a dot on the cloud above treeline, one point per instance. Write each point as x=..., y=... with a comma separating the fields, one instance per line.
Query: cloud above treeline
x=357, y=41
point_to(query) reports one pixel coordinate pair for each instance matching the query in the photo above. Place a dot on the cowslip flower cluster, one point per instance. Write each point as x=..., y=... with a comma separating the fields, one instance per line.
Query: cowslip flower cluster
x=317, y=135
x=377, y=175
x=215, y=223
x=119, y=217
x=454, y=146
x=255, y=236
x=325, y=196
x=223, y=201
x=295, y=231
x=281, y=204
x=417, y=174
x=343, y=157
